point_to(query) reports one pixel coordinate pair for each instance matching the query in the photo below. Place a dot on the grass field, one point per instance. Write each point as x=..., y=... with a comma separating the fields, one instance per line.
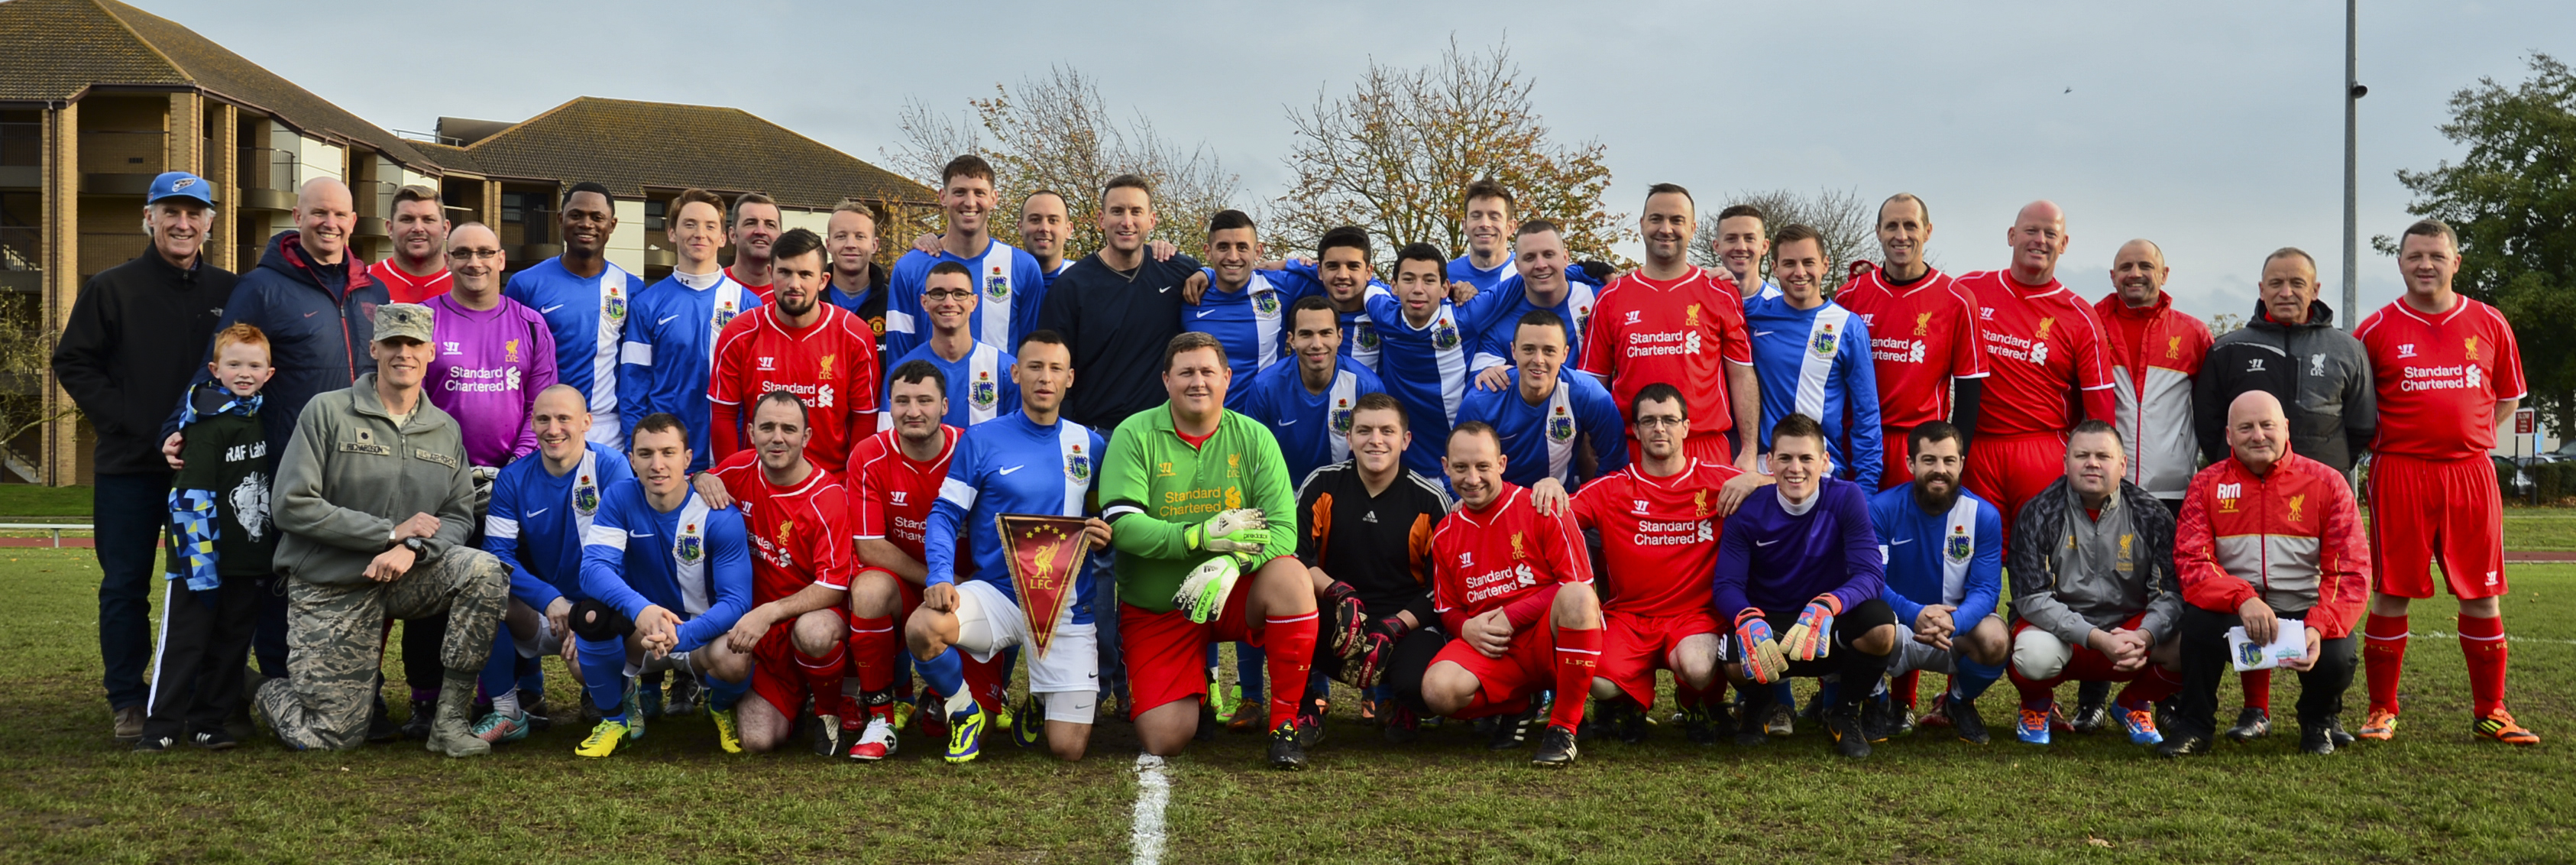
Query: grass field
x=2435, y=794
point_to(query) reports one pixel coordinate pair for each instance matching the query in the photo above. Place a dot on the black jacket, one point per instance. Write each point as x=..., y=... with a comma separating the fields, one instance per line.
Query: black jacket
x=2320, y=374
x=1117, y=329
x=317, y=338
x=137, y=336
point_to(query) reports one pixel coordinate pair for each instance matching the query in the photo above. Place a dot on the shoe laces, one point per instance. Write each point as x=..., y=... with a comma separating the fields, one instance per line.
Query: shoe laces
x=2034, y=717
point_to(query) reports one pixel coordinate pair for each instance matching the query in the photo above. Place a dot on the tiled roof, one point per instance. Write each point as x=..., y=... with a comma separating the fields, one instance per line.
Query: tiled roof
x=56, y=48
x=617, y=142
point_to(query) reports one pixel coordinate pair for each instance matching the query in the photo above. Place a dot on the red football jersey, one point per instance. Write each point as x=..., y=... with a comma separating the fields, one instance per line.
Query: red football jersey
x=799, y=535
x=767, y=295
x=406, y=288
x=1920, y=337
x=2440, y=377
x=2041, y=343
x=1683, y=332
x=891, y=494
x=831, y=365
x=1485, y=560
x=1658, y=536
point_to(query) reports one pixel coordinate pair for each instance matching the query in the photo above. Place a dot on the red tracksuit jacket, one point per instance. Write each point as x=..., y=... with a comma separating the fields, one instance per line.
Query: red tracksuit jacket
x=2292, y=538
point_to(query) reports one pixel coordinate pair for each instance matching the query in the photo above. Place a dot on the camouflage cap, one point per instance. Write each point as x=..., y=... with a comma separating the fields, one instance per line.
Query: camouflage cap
x=410, y=320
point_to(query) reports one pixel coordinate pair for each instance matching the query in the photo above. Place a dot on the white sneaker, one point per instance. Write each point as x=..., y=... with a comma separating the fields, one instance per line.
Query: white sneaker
x=877, y=743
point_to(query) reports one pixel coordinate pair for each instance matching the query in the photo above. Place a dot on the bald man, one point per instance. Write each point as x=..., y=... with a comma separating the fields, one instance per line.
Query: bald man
x=2043, y=350
x=2155, y=353
x=2269, y=540
x=314, y=300
x=541, y=510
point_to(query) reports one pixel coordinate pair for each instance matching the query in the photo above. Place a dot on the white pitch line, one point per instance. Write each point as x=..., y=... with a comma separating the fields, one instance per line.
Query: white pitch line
x=1153, y=791
x=2508, y=638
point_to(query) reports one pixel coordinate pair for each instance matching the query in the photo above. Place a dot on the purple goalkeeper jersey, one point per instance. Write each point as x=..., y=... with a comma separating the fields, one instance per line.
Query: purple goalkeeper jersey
x=1778, y=558
x=486, y=370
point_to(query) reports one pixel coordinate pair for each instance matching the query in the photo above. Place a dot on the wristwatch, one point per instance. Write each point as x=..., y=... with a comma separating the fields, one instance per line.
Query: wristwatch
x=416, y=545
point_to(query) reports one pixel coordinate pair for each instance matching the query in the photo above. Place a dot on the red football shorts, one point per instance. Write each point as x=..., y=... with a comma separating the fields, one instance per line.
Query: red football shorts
x=1894, y=472
x=1520, y=674
x=1635, y=647
x=2424, y=512
x=1167, y=653
x=909, y=595
x=774, y=674
x=2012, y=471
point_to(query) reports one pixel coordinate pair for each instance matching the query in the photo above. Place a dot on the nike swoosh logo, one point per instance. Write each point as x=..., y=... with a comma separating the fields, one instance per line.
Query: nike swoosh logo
x=1761, y=333
x=639, y=534
x=1764, y=543
x=549, y=309
x=1162, y=289
x=1288, y=423
x=664, y=320
x=1203, y=313
x=539, y=512
x=311, y=314
x=1010, y=470
x=1902, y=541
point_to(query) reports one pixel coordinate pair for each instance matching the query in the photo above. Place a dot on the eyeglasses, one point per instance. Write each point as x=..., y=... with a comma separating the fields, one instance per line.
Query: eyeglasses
x=948, y=294
x=468, y=254
x=1652, y=421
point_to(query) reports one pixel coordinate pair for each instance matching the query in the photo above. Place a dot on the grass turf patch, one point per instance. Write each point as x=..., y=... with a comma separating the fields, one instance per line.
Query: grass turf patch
x=2434, y=794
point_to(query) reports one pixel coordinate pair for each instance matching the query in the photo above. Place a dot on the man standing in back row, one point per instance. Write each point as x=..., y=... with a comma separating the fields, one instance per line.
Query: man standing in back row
x=1672, y=322
x=1925, y=339
x=584, y=298
x=2449, y=372
x=1009, y=279
x=2042, y=347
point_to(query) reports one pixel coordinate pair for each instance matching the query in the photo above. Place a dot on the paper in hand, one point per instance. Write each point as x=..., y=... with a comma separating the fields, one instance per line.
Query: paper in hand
x=2290, y=643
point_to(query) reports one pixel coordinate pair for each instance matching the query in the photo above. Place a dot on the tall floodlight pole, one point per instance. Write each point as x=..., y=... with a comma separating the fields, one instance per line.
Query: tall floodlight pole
x=2352, y=93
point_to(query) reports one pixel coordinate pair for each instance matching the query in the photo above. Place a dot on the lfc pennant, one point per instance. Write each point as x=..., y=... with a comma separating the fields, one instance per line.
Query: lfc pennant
x=1045, y=555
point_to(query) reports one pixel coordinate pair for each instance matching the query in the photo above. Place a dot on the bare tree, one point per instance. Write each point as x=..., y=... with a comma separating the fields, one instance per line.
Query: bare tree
x=1395, y=153
x=1056, y=132
x=26, y=346
x=1847, y=222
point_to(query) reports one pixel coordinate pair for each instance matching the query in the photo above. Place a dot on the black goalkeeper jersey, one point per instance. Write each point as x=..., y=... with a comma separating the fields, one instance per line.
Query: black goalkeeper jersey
x=1381, y=544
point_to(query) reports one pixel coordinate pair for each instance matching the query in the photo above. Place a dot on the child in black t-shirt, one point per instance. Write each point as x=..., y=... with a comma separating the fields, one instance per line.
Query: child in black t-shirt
x=220, y=542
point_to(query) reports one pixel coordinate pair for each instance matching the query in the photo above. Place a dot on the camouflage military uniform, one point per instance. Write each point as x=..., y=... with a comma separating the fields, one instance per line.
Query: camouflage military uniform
x=349, y=476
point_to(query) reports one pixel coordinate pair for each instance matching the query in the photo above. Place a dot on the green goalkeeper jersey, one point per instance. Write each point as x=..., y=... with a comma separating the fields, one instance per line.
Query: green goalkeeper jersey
x=1154, y=486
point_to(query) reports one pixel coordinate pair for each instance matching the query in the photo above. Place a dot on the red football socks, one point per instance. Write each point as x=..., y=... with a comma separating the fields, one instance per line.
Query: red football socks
x=1578, y=655
x=2383, y=656
x=874, y=652
x=2482, y=641
x=2258, y=689
x=984, y=680
x=823, y=674
x=1289, y=648
x=1903, y=687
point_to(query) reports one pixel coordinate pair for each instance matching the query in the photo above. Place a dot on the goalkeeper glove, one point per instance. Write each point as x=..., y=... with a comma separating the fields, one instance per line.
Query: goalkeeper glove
x=1762, y=659
x=1242, y=531
x=1202, y=594
x=1812, y=637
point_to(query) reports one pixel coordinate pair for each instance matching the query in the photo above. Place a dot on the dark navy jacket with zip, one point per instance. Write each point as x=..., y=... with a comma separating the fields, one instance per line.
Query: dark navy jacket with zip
x=317, y=338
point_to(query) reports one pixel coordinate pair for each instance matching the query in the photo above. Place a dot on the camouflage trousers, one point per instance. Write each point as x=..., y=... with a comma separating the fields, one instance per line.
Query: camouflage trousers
x=334, y=636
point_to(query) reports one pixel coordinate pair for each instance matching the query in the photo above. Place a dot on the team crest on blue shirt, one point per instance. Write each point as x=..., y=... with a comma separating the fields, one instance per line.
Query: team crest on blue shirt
x=1560, y=427
x=1076, y=467
x=691, y=546
x=983, y=393
x=1367, y=335
x=614, y=305
x=725, y=313
x=1959, y=547
x=1823, y=343
x=997, y=285
x=1342, y=417
x=1445, y=336
x=585, y=496
x=1266, y=303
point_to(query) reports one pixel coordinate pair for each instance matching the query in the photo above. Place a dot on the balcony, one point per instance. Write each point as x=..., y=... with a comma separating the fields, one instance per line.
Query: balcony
x=22, y=259
x=22, y=155
x=121, y=162
x=267, y=177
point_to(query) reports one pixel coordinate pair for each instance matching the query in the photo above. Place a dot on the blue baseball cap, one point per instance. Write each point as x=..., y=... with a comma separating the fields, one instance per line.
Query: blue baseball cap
x=180, y=184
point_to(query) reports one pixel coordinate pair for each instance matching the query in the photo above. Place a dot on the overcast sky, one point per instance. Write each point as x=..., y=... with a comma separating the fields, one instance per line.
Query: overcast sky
x=2214, y=128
